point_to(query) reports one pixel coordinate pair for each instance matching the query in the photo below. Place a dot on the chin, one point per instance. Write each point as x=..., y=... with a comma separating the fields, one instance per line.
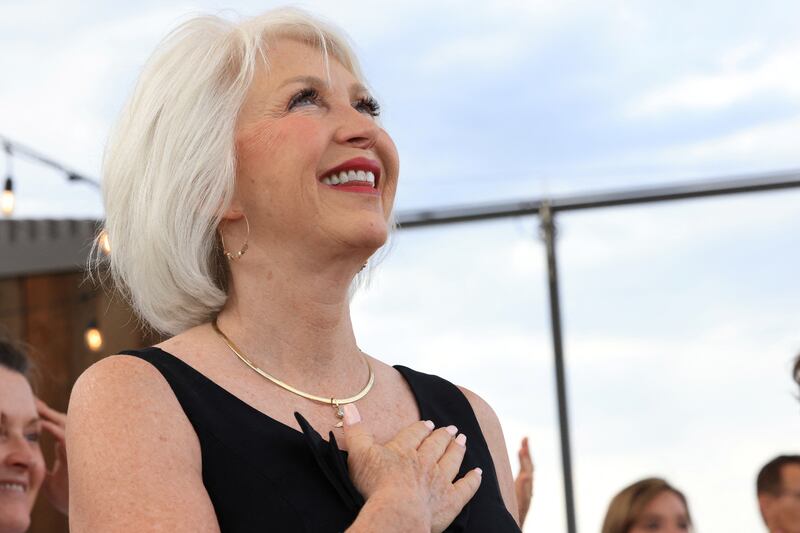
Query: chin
x=14, y=522
x=374, y=236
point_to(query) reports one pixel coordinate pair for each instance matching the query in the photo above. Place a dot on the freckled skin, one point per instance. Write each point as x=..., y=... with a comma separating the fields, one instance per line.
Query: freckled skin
x=281, y=154
x=20, y=458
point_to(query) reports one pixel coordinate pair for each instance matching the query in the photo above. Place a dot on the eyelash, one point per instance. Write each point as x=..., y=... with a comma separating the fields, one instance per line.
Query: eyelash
x=365, y=104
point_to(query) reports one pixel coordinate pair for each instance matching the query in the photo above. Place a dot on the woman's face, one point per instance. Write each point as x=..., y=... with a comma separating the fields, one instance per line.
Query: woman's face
x=297, y=132
x=21, y=463
x=666, y=513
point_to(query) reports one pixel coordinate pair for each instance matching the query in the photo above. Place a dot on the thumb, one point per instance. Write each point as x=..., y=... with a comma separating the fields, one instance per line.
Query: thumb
x=358, y=437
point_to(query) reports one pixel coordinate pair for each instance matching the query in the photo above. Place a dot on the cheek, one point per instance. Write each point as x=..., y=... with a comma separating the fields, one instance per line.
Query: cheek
x=273, y=153
x=387, y=151
x=37, y=473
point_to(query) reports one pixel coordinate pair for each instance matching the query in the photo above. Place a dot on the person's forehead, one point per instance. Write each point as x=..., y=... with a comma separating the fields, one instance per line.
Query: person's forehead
x=790, y=476
x=16, y=397
x=666, y=502
x=289, y=57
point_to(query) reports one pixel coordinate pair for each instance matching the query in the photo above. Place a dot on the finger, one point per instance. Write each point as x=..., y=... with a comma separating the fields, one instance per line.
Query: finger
x=49, y=413
x=411, y=437
x=54, y=429
x=450, y=463
x=358, y=437
x=466, y=487
x=433, y=447
x=61, y=452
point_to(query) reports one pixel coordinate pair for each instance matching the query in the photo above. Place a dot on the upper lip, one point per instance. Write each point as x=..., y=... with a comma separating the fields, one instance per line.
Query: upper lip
x=357, y=163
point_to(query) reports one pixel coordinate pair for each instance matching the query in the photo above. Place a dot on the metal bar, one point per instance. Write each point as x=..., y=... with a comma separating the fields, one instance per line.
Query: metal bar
x=718, y=187
x=549, y=236
x=20, y=149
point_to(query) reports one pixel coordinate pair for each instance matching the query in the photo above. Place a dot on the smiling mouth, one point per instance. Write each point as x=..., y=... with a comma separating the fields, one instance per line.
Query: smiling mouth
x=361, y=173
x=351, y=177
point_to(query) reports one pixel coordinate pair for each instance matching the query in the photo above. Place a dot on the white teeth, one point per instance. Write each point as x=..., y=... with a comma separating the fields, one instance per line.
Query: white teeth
x=16, y=487
x=350, y=175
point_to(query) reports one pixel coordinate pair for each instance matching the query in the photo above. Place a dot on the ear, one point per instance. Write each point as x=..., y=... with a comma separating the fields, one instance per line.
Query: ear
x=234, y=212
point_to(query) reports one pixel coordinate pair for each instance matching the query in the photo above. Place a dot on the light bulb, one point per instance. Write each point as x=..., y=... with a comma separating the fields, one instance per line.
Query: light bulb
x=105, y=244
x=7, y=200
x=93, y=337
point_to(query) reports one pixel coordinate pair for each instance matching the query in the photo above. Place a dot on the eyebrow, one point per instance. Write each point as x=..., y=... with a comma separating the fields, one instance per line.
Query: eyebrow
x=4, y=419
x=318, y=82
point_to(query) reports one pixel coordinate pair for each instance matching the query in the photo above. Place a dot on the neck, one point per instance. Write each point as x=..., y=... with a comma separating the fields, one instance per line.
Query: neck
x=292, y=319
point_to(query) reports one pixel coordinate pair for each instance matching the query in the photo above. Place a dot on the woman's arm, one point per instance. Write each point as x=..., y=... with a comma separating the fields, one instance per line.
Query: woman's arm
x=134, y=458
x=493, y=433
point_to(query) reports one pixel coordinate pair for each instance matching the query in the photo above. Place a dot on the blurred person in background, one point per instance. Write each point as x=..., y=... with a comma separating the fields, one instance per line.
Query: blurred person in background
x=796, y=370
x=778, y=491
x=648, y=506
x=523, y=483
x=22, y=467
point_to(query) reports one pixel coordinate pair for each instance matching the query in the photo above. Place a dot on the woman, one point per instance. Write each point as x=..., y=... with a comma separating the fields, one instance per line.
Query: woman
x=246, y=185
x=650, y=505
x=22, y=469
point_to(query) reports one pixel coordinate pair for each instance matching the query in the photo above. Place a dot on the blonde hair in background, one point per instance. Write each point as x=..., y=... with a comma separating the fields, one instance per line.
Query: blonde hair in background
x=170, y=163
x=627, y=506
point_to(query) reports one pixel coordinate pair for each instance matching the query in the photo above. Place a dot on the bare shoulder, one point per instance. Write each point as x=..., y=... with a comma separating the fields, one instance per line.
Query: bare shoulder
x=493, y=433
x=131, y=450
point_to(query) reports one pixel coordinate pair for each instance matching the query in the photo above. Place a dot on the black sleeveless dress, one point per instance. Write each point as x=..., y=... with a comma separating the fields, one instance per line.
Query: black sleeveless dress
x=264, y=476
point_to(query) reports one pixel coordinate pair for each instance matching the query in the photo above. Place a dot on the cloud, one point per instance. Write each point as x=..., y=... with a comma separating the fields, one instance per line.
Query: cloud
x=746, y=72
x=768, y=144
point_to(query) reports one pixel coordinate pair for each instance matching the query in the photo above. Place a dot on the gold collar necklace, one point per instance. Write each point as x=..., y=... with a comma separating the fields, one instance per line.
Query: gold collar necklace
x=336, y=403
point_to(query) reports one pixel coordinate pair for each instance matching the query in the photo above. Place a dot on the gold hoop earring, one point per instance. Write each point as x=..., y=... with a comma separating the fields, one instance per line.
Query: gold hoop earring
x=236, y=256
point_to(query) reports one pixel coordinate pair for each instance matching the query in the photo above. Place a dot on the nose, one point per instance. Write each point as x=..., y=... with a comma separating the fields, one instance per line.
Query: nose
x=18, y=453
x=357, y=129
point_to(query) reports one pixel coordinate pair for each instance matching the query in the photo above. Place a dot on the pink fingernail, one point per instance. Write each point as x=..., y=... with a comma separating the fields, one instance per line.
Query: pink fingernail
x=429, y=424
x=479, y=471
x=461, y=439
x=351, y=414
x=452, y=430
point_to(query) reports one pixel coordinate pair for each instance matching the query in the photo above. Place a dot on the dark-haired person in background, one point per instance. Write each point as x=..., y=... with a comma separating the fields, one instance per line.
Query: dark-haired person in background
x=22, y=468
x=796, y=372
x=778, y=490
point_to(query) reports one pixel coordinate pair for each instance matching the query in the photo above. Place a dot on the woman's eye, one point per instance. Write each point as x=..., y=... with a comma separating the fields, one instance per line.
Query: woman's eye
x=305, y=97
x=369, y=106
x=33, y=437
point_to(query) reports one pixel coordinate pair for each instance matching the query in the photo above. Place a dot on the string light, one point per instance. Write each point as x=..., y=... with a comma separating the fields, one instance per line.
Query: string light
x=7, y=198
x=93, y=336
x=104, y=242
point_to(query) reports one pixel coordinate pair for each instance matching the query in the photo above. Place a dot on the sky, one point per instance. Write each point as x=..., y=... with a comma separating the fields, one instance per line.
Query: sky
x=680, y=319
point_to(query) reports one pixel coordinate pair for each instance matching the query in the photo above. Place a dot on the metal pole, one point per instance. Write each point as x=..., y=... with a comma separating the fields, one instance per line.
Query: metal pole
x=549, y=236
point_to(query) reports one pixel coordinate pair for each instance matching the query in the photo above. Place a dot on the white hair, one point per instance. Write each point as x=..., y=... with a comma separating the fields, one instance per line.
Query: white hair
x=170, y=163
